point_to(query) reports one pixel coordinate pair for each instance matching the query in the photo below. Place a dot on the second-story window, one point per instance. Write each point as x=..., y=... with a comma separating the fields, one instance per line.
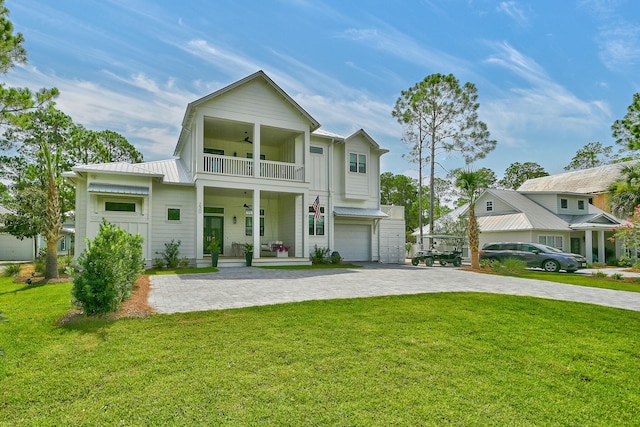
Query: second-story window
x=489, y=206
x=580, y=205
x=357, y=163
x=564, y=204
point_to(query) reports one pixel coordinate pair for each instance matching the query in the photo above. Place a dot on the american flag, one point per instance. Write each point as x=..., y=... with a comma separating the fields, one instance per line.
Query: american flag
x=316, y=209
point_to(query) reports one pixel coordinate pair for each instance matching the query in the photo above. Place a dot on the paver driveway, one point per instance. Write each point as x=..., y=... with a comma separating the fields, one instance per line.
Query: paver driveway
x=249, y=286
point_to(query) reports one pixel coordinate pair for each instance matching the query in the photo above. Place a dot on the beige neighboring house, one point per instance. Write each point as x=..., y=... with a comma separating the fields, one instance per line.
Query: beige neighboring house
x=250, y=166
x=592, y=181
x=564, y=220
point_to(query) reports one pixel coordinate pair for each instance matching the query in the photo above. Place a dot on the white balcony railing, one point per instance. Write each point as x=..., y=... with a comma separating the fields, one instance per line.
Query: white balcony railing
x=239, y=166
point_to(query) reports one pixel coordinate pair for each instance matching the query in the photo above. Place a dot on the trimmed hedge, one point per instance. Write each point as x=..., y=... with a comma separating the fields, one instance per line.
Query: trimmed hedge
x=107, y=270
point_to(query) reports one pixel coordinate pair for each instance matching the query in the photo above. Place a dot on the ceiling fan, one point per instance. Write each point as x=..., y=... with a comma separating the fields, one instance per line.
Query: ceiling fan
x=246, y=138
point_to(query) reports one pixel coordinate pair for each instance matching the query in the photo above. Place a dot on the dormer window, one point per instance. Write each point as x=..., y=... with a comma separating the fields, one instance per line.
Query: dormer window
x=357, y=163
x=489, y=206
x=564, y=204
x=581, y=205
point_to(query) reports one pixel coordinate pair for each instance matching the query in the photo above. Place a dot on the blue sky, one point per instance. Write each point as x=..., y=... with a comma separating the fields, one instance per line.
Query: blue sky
x=551, y=75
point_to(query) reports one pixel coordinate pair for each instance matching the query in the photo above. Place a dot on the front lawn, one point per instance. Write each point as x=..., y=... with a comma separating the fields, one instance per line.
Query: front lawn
x=624, y=284
x=434, y=359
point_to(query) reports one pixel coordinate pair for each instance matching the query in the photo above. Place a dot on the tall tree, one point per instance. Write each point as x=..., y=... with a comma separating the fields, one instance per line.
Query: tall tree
x=471, y=184
x=44, y=143
x=592, y=155
x=624, y=194
x=626, y=131
x=400, y=190
x=438, y=115
x=518, y=173
x=484, y=178
x=15, y=100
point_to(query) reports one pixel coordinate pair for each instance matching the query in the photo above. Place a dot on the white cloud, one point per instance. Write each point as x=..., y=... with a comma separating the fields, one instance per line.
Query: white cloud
x=513, y=10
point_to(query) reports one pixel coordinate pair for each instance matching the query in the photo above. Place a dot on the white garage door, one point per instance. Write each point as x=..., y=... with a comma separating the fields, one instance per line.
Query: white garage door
x=353, y=241
x=12, y=249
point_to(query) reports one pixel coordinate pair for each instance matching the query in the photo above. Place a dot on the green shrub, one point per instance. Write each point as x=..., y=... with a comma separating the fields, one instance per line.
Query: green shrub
x=171, y=254
x=617, y=276
x=335, y=258
x=12, y=270
x=320, y=255
x=107, y=270
x=636, y=266
x=158, y=263
x=184, y=262
x=509, y=266
x=599, y=274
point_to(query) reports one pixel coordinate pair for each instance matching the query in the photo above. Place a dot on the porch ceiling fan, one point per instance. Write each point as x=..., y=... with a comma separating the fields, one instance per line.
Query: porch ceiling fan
x=246, y=138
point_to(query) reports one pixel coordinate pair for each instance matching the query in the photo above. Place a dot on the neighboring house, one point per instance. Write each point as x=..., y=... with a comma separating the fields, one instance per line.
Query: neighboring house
x=14, y=249
x=250, y=166
x=593, y=181
x=564, y=220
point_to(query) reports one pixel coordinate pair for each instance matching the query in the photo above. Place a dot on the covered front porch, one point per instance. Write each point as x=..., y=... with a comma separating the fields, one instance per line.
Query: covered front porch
x=269, y=222
x=595, y=242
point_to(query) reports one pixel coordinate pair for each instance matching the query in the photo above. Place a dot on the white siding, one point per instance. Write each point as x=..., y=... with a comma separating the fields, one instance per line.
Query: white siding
x=14, y=249
x=180, y=197
x=358, y=185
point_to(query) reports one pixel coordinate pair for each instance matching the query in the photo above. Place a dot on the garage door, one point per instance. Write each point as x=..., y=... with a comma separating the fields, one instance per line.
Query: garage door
x=353, y=241
x=12, y=249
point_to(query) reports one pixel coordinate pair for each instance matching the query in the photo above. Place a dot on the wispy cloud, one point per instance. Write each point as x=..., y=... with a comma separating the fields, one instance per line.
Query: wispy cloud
x=542, y=102
x=618, y=39
x=514, y=11
x=149, y=117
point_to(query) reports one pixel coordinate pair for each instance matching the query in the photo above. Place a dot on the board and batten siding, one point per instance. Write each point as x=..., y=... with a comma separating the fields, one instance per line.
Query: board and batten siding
x=512, y=236
x=81, y=217
x=358, y=185
x=255, y=101
x=165, y=230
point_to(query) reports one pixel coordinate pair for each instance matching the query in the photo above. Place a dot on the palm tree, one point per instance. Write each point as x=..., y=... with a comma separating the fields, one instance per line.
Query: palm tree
x=471, y=183
x=624, y=194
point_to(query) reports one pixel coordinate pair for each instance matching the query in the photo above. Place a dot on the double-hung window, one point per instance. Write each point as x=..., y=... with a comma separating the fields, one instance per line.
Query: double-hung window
x=357, y=163
x=316, y=226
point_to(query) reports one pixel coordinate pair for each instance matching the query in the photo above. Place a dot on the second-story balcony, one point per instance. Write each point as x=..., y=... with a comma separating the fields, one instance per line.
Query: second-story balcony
x=239, y=166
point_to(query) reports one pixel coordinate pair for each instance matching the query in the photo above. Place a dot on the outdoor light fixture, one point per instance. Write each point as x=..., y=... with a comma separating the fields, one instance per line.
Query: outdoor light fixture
x=235, y=219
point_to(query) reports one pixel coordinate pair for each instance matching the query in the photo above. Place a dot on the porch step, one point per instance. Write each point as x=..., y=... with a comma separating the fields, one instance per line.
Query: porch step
x=224, y=262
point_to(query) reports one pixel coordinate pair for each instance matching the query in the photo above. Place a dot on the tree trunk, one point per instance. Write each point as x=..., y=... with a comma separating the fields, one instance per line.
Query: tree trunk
x=52, y=229
x=474, y=239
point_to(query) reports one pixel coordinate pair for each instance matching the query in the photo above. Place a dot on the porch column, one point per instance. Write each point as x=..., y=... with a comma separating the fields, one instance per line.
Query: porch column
x=256, y=153
x=305, y=225
x=199, y=221
x=588, y=246
x=601, y=246
x=256, y=223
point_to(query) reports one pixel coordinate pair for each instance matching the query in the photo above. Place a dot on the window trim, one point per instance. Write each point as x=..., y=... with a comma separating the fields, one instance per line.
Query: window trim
x=562, y=199
x=360, y=164
x=488, y=206
x=173, y=208
x=555, y=237
x=314, y=225
x=584, y=205
x=113, y=204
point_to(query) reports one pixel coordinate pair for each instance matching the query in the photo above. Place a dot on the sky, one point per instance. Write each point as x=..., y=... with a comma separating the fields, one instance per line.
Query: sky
x=551, y=76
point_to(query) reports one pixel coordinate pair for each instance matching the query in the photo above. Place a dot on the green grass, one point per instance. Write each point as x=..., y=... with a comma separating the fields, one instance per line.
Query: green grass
x=435, y=359
x=632, y=285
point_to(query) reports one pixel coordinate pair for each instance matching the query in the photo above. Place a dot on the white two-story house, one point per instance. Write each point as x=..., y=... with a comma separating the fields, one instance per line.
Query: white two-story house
x=250, y=166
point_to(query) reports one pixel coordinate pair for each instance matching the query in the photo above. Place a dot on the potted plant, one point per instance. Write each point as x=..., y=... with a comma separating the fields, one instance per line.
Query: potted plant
x=281, y=250
x=214, y=247
x=248, y=253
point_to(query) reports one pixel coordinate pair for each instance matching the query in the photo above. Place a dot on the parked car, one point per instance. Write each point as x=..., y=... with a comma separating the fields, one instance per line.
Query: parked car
x=535, y=255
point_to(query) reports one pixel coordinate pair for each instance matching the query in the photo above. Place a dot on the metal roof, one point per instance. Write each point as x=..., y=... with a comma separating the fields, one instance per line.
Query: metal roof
x=118, y=189
x=115, y=168
x=172, y=171
x=592, y=180
x=359, y=212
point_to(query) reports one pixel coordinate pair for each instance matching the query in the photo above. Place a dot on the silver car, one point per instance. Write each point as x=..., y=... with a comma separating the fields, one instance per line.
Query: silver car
x=535, y=255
